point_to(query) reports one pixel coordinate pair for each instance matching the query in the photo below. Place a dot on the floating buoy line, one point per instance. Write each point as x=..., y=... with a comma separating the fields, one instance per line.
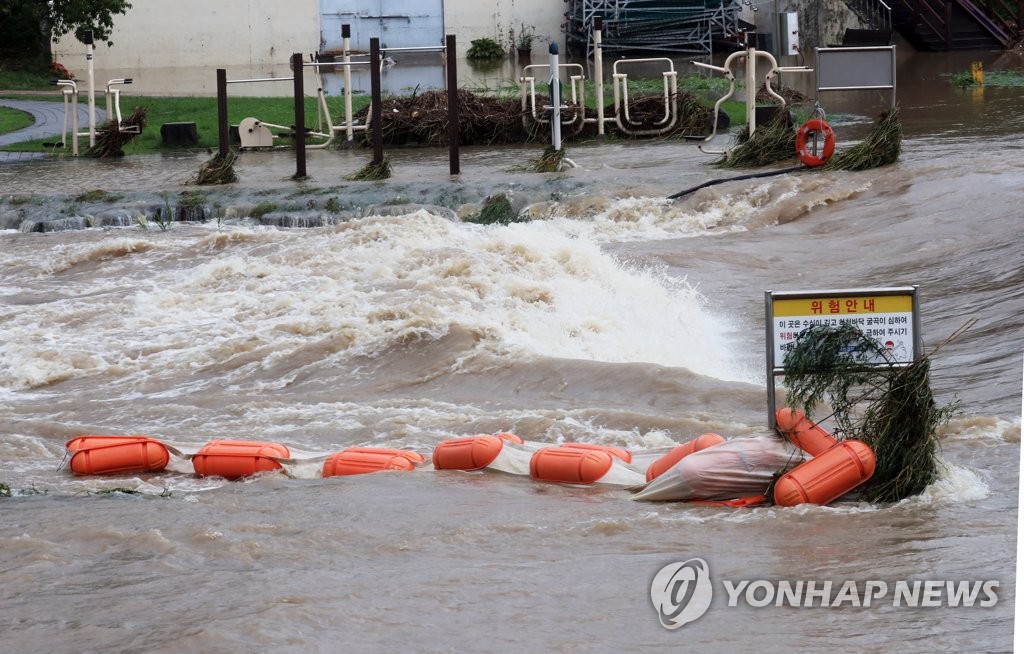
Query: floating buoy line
x=808, y=465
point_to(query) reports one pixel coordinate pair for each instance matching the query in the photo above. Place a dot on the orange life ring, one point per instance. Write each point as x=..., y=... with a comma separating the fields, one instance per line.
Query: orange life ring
x=813, y=126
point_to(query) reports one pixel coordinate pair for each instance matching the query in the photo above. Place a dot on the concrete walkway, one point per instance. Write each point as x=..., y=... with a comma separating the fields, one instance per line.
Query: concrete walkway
x=49, y=121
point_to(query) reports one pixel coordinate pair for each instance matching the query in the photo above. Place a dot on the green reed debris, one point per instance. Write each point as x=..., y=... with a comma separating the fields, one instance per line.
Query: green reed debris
x=771, y=143
x=372, y=171
x=887, y=405
x=111, y=137
x=216, y=170
x=881, y=147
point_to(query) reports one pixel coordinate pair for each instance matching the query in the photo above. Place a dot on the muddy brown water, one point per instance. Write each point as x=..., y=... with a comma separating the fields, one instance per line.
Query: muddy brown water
x=615, y=317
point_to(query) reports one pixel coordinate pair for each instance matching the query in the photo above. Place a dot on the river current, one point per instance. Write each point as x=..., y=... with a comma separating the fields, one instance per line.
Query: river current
x=614, y=317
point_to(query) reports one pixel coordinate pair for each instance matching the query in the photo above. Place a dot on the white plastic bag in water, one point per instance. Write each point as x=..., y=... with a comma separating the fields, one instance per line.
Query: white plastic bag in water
x=736, y=468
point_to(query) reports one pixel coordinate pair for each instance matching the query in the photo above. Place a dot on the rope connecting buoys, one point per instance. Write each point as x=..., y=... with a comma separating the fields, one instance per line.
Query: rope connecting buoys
x=470, y=453
x=364, y=460
x=237, y=459
x=827, y=476
x=802, y=432
x=678, y=453
x=570, y=465
x=108, y=455
x=815, y=127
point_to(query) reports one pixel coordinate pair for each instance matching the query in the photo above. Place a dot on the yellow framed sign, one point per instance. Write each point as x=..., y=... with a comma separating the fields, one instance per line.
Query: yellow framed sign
x=888, y=315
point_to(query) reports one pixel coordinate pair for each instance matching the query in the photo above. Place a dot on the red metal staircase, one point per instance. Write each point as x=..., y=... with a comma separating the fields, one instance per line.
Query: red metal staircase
x=959, y=24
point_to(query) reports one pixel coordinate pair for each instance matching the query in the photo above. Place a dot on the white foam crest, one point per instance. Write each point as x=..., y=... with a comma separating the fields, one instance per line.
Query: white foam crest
x=529, y=289
x=955, y=484
x=642, y=218
x=982, y=429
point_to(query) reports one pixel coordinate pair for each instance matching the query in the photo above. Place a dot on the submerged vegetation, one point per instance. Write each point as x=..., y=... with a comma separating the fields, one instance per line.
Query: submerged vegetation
x=887, y=405
x=217, y=170
x=112, y=137
x=881, y=147
x=998, y=78
x=772, y=143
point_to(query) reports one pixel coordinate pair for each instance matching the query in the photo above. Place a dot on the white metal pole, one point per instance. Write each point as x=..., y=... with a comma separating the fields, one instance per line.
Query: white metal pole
x=751, y=90
x=74, y=121
x=92, y=94
x=345, y=42
x=599, y=75
x=556, y=99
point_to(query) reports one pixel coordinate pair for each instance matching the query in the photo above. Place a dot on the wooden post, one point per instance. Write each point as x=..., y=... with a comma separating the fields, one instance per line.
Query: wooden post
x=222, y=113
x=453, y=105
x=375, y=114
x=300, y=117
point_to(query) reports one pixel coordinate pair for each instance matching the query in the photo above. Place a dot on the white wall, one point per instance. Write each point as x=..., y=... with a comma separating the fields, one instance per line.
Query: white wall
x=173, y=47
x=469, y=19
x=188, y=33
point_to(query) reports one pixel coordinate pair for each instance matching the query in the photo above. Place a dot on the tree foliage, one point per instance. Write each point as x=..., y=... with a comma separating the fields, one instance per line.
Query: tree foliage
x=28, y=26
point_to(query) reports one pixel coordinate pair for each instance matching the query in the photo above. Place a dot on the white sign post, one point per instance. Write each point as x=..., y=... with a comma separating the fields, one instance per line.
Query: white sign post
x=888, y=315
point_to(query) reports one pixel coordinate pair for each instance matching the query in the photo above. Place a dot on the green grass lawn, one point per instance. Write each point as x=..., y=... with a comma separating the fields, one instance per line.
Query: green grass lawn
x=12, y=119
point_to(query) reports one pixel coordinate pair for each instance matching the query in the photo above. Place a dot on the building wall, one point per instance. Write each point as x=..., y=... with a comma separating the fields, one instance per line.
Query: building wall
x=190, y=33
x=495, y=18
x=252, y=34
x=822, y=22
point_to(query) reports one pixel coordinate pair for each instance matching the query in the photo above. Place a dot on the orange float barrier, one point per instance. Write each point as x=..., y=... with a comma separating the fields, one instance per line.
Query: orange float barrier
x=508, y=436
x=704, y=441
x=802, y=431
x=568, y=465
x=827, y=476
x=107, y=455
x=738, y=503
x=618, y=452
x=363, y=460
x=236, y=459
x=470, y=453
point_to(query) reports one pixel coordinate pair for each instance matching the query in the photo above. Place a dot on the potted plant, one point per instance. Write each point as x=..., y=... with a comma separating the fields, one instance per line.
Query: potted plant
x=524, y=40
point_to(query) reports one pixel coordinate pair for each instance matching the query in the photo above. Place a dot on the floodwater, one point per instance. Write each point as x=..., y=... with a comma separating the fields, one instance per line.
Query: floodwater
x=615, y=317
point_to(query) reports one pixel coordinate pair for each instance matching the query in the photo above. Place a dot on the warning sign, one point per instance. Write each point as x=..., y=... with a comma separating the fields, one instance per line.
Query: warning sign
x=888, y=315
x=889, y=319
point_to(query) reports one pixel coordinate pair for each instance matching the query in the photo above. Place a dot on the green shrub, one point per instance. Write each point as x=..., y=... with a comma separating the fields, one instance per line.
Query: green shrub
x=484, y=50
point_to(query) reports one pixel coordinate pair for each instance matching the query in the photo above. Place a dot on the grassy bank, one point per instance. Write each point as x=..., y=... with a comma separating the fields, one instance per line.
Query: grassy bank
x=13, y=119
x=280, y=111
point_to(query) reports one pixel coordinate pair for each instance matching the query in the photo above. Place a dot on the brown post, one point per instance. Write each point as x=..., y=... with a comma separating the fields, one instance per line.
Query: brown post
x=376, y=129
x=453, y=105
x=222, y=113
x=300, y=117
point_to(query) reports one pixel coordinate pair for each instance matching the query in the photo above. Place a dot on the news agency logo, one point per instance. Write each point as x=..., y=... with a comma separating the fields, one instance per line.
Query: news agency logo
x=681, y=592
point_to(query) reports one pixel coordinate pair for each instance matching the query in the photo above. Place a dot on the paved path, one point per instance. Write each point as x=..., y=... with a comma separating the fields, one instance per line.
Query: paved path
x=49, y=121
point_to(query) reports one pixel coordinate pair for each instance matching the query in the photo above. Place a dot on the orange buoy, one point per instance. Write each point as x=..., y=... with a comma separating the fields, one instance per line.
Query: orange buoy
x=815, y=126
x=802, y=431
x=738, y=503
x=236, y=459
x=617, y=452
x=568, y=465
x=827, y=476
x=704, y=441
x=363, y=460
x=107, y=455
x=470, y=453
x=509, y=436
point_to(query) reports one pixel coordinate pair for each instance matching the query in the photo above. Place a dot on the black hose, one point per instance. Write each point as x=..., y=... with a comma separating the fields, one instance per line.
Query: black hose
x=733, y=179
